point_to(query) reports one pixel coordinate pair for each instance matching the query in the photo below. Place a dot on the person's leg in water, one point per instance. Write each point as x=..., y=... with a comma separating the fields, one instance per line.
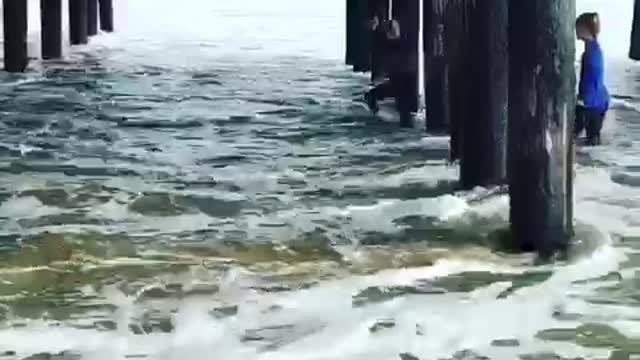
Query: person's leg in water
x=403, y=92
x=593, y=122
x=600, y=123
x=580, y=121
x=379, y=92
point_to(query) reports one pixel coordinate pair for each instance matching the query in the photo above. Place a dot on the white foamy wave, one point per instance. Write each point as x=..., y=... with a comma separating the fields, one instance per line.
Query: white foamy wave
x=625, y=104
x=427, y=175
x=325, y=325
x=603, y=203
x=25, y=207
x=380, y=216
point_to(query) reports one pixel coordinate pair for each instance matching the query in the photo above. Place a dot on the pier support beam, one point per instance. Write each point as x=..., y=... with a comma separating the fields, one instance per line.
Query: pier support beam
x=78, y=22
x=106, y=15
x=483, y=160
x=634, y=52
x=456, y=42
x=362, y=37
x=541, y=114
x=92, y=17
x=436, y=87
x=357, y=36
x=51, y=24
x=15, y=35
x=350, y=41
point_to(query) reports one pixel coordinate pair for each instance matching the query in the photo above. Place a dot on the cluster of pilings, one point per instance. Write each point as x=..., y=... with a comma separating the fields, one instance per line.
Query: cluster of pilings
x=500, y=78
x=83, y=23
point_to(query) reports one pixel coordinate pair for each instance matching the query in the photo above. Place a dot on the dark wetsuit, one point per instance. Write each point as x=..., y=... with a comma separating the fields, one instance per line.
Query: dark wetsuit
x=379, y=51
x=402, y=64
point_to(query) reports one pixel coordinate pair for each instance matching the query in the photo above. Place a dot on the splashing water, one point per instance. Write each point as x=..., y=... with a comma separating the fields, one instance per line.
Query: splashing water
x=201, y=184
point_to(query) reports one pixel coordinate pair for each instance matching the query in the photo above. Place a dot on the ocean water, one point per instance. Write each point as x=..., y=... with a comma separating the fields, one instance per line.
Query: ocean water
x=202, y=185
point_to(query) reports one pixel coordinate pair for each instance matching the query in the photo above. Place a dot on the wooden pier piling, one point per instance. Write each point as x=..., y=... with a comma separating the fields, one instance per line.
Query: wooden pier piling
x=92, y=17
x=436, y=82
x=541, y=115
x=456, y=41
x=350, y=32
x=78, y=23
x=362, y=46
x=634, y=51
x=15, y=35
x=51, y=27
x=106, y=15
x=357, y=36
x=483, y=152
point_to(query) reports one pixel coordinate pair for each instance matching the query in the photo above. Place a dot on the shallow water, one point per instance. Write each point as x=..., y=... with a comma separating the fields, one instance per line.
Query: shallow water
x=201, y=184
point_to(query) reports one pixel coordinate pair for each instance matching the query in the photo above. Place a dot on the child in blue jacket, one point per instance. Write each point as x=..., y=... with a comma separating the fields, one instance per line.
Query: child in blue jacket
x=593, y=96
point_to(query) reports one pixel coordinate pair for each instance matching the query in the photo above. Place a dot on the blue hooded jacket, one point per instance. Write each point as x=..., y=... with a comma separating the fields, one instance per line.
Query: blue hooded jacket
x=592, y=90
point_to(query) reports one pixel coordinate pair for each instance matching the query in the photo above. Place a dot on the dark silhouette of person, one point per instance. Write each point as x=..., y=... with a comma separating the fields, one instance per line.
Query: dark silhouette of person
x=378, y=26
x=593, y=96
x=401, y=64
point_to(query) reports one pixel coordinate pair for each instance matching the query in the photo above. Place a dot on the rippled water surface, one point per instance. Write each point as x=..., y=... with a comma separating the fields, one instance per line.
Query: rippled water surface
x=202, y=185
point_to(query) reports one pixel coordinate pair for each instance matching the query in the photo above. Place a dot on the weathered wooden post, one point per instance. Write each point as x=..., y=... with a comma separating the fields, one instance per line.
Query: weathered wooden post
x=92, y=17
x=483, y=157
x=78, y=22
x=349, y=31
x=456, y=38
x=541, y=114
x=357, y=53
x=634, y=52
x=362, y=37
x=15, y=35
x=51, y=28
x=436, y=87
x=106, y=15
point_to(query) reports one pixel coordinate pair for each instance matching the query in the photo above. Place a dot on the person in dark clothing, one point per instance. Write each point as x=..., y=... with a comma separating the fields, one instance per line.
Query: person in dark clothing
x=381, y=34
x=378, y=29
x=593, y=96
x=401, y=65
